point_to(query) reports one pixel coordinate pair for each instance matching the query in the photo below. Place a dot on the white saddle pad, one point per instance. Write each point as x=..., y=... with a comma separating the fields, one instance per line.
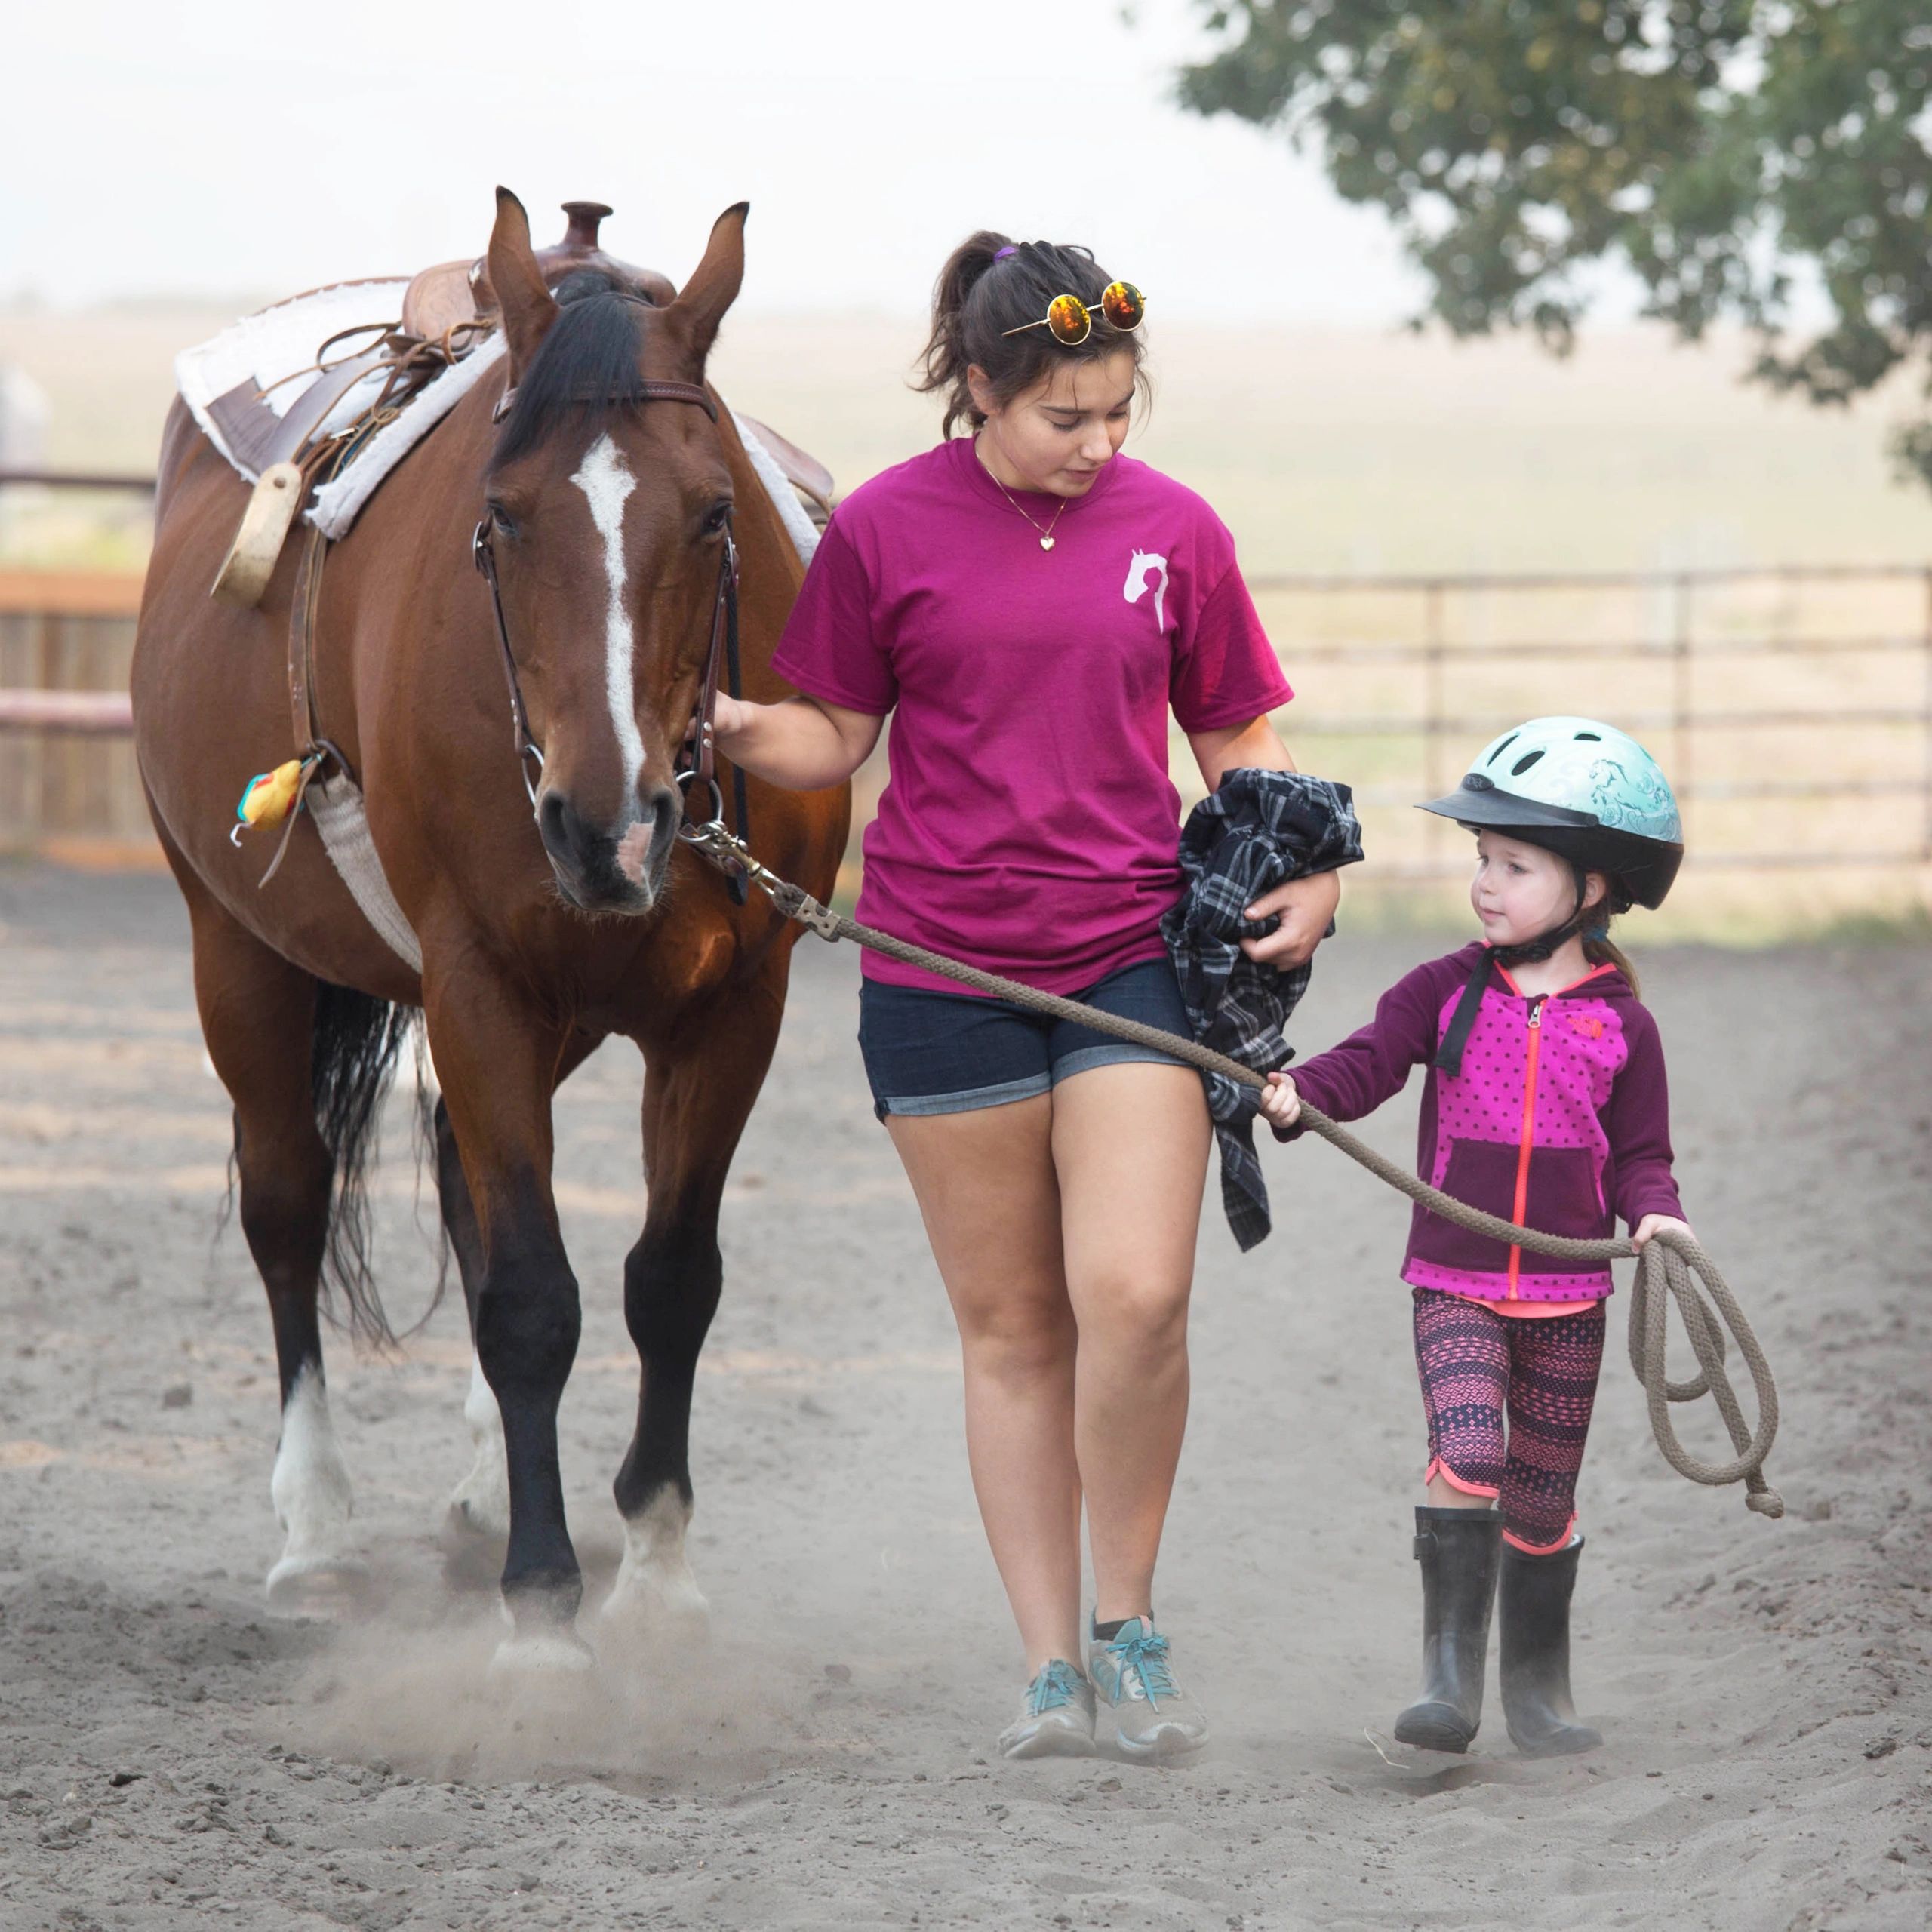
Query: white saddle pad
x=277, y=343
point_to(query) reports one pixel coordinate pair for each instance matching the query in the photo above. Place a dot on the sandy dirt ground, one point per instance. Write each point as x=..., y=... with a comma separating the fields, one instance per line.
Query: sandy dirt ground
x=172, y=1756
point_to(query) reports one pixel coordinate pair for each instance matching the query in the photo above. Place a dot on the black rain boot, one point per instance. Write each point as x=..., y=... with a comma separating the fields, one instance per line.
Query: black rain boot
x=1536, y=1653
x=1456, y=1548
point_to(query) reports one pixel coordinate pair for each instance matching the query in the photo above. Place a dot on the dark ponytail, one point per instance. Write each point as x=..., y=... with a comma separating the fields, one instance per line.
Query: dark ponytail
x=1599, y=948
x=979, y=296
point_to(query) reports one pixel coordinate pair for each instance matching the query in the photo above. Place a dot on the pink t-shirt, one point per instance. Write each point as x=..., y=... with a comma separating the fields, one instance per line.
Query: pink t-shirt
x=1028, y=825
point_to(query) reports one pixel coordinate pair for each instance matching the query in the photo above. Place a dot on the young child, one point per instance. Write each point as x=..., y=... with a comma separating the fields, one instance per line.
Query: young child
x=1545, y=1104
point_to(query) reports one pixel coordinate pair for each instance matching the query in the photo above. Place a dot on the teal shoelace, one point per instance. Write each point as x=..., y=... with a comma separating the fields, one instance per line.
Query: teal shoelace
x=1055, y=1687
x=1147, y=1654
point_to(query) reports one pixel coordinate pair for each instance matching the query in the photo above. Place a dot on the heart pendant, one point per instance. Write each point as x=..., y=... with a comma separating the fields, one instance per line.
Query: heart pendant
x=1046, y=543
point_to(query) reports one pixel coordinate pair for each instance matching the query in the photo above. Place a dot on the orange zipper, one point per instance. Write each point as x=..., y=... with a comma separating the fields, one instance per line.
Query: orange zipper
x=1529, y=1132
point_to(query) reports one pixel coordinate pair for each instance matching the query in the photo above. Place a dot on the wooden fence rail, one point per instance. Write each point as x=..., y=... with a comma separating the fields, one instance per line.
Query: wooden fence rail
x=1791, y=708
x=67, y=780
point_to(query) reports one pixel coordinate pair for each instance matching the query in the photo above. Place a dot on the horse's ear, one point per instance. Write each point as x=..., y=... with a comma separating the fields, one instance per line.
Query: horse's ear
x=715, y=282
x=517, y=283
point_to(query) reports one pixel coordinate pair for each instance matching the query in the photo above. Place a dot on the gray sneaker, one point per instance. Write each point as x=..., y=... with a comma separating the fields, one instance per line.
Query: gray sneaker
x=1153, y=1716
x=1057, y=1720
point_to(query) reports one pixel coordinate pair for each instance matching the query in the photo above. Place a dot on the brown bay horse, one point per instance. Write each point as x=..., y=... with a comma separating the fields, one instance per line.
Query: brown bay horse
x=608, y=509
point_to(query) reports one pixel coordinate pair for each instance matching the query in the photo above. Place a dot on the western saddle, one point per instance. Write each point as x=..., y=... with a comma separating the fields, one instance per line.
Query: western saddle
x=446, y=310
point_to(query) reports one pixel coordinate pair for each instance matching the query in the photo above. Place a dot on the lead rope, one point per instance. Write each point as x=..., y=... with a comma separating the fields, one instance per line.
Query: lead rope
x=1671, y=1267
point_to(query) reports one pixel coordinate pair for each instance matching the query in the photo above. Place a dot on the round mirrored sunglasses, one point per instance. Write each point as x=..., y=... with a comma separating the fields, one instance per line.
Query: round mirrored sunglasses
x=1122, y=307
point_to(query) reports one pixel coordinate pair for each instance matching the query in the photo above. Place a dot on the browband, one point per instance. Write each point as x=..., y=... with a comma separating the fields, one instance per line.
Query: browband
x=647, y=391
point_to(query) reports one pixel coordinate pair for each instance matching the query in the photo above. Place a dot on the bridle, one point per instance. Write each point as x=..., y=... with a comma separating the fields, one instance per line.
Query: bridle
x=697, y=757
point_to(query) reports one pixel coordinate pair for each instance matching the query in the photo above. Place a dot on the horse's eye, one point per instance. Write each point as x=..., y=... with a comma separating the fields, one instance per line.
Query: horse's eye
x=718, y=520
x=500, y=521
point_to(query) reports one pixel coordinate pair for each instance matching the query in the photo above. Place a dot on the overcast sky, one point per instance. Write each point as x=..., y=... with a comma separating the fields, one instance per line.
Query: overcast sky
x=224, y=149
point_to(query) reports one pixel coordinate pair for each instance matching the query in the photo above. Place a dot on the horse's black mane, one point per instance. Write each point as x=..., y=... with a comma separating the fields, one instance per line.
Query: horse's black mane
x=590, y=362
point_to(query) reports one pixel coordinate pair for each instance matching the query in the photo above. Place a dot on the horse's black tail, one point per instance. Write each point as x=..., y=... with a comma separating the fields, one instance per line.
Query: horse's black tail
x=357, y=1039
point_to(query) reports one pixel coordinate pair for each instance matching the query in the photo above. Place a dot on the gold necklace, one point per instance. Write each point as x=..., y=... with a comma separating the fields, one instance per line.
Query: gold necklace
x=1046, y=534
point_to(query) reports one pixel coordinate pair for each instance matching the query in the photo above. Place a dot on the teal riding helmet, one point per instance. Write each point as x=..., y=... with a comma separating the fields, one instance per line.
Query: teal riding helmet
x=1587, y=792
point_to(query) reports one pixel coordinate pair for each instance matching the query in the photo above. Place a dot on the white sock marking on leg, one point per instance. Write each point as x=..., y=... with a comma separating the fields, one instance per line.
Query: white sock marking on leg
x=481, y=1501
x=310, y=1485
x=655, y=1580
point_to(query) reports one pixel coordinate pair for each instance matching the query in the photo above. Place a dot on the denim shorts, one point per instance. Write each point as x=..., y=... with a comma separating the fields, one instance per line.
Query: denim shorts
x=935, y=1053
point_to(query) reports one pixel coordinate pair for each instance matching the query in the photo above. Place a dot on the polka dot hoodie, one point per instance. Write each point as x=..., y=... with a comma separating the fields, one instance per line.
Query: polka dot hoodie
x=1559, y=1120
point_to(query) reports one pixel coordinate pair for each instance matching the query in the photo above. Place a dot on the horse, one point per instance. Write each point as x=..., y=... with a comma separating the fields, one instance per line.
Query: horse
x=606, y=501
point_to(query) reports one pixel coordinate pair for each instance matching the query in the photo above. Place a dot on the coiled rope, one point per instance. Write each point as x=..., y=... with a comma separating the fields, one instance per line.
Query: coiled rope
x=1670, y=1267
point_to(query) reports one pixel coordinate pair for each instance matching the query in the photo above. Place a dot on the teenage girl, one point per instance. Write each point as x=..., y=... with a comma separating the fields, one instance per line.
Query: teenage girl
x=1028, y=604
x=1544, y=1103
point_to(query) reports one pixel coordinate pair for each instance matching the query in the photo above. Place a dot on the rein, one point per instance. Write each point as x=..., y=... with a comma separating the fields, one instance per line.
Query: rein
x=1671, y=1267
x=698, y=758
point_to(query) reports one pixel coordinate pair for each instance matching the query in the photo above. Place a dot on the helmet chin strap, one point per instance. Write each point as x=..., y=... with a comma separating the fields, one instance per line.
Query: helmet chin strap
x=1546, y=942
x=1449, y=1055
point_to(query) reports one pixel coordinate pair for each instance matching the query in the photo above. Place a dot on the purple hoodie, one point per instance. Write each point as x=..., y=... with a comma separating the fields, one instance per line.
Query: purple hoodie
x=1559, y=1120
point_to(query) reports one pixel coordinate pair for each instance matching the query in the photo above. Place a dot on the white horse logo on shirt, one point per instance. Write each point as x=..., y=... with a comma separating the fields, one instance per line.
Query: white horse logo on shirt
x=1143, y=561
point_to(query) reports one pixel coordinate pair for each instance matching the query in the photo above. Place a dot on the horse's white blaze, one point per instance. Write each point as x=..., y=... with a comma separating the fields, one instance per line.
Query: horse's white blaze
x=606, y=483
x=481, y=1503
x=310, y=1487
x=655, y=1586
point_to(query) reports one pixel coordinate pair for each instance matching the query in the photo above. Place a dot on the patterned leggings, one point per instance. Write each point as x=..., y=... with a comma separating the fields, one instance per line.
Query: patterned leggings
x=1473, y=1364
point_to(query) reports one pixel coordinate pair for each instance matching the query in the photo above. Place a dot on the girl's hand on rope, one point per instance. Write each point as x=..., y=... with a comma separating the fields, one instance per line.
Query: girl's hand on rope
x=798, y=742
x=1281, y=1103
x=1651, y=1224
x=1304, y=906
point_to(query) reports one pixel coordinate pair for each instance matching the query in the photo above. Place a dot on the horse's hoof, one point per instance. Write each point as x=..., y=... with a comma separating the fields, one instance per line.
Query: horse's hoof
x=671, y=1611
x=316, y=1585
x=536, y=1654
x=655, y=1597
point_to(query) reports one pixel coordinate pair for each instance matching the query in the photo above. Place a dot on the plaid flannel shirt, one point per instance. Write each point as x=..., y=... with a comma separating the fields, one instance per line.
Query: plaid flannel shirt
x=1256, y=831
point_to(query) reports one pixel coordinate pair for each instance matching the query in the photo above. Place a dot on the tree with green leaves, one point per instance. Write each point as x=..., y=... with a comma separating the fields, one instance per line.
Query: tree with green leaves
x=1750, y=160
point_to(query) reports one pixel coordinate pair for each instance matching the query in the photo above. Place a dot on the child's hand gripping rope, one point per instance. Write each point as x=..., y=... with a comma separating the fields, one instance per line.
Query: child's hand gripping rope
x=1280, y=1102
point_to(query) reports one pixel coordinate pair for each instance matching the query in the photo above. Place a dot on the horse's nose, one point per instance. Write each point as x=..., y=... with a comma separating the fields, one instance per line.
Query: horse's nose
x=644, y=853
x=596, y=870
x=663, y=810
x=572, y=841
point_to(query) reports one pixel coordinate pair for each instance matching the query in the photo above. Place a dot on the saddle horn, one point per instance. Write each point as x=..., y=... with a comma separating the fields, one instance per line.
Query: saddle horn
x=580, y=238
x=580, y=248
